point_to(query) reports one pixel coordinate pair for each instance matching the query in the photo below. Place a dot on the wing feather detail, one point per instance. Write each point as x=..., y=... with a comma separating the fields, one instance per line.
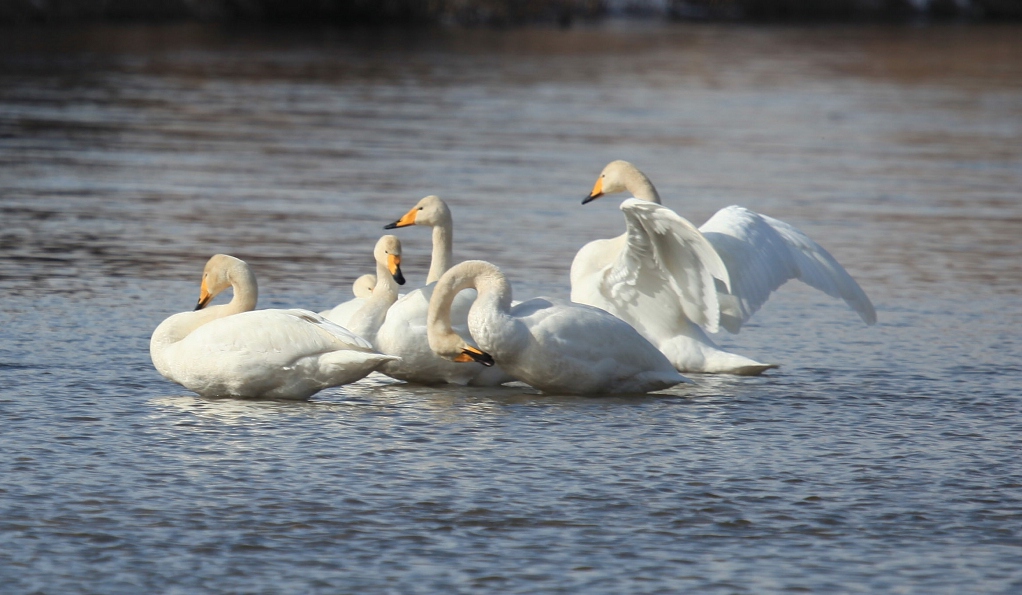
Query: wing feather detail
x=763, y=253
x=665, y=252
x=281, y=334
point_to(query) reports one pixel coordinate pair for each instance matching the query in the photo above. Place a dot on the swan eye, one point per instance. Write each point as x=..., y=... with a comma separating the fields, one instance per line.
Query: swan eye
x=420, y=208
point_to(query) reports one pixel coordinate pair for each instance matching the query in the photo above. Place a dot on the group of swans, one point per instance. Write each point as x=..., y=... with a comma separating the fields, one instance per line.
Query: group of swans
x=641, y=307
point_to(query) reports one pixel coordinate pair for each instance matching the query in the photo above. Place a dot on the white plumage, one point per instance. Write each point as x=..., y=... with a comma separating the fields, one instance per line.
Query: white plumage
x=361, y=288
x=403, y=332
x=553, y=345
x=231, y=350
x=674, y=282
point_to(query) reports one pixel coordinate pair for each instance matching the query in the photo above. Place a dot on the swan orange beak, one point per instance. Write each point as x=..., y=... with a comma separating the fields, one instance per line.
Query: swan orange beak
x=204, y=296
x=471, y=354
x=597, y=191
x=394, y=266
x=408, y=219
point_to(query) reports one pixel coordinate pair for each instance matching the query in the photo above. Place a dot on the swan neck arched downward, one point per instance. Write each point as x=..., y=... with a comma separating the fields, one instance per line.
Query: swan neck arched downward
x=640, y=187
x=246, y=290
x=493, y=293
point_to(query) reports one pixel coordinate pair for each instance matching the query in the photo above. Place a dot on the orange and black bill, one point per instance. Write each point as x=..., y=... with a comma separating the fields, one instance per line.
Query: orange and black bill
x=596, y=193
x=408, y=219
x=204, y=296
x=394, y=266
x=471, y=354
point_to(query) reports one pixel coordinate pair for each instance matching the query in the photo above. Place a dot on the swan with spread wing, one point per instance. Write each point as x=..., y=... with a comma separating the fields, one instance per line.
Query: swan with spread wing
x=674, y=282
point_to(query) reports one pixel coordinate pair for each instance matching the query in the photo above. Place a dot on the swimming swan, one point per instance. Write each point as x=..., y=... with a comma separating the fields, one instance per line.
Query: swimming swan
x=403, y=333
x=233, y=350
x=554, y=345
x=671, y=280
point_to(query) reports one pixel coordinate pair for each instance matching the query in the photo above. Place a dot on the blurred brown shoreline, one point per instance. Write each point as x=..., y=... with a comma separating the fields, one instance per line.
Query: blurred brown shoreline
x=501, y=12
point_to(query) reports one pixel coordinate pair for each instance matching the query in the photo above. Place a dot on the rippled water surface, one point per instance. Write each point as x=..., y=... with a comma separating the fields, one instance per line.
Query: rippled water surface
x=876, y=459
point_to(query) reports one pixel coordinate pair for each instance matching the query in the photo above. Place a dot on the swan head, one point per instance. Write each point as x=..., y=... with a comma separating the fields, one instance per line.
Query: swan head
x=431, y=211
x=621, y=176
x=454, y=348
x=221, y=271
x=363, y=286
x=388, y=253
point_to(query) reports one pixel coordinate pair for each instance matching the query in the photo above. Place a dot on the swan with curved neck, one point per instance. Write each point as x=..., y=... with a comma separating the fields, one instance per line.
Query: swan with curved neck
x=674, y=282
x=403, y=333
x=234, y=350
x=433, y=212
x=552, y=345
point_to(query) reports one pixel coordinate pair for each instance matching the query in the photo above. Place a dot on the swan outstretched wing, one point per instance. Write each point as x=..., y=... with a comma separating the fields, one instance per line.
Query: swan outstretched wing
x=663, y=252
x=763, y=253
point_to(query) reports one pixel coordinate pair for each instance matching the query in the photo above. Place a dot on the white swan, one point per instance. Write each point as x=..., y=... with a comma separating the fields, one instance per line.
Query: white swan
x=403, y=333
x=361, y=288
x=366, y=321
x=553, y=345
x=433, y=212
x=671, y=281
x=231, y=350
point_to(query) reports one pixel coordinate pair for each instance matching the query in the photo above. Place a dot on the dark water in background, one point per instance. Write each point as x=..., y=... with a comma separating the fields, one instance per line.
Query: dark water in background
x=880, y=459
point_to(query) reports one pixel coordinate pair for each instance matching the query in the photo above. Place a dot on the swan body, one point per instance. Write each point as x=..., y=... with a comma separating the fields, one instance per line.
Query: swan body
x=233, y=350
x=361, y=288
x=404, y=332
x=553, y=345
x=674, y=282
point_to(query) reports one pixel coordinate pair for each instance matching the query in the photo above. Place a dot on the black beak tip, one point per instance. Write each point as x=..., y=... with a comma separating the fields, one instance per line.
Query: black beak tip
x=480, y=357
x=198, y=305
x=590, y=198
x=399, y=277
x=390, y=225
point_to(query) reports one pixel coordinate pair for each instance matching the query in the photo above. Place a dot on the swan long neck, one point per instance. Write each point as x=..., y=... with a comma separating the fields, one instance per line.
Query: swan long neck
x=493, y=291
x=443, y=249
x=368, y=319
x=246, y=291
x=639, y=185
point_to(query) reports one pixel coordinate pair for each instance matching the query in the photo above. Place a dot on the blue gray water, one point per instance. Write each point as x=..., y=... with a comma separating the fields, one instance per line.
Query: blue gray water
x=876, y=459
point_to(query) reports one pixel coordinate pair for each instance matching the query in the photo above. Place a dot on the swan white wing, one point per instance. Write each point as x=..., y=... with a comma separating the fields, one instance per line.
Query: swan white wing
x=580, y=349
x=341, y=313
x=278, y=335
x=337, y=332
x=665, y=252
x=763, y=253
